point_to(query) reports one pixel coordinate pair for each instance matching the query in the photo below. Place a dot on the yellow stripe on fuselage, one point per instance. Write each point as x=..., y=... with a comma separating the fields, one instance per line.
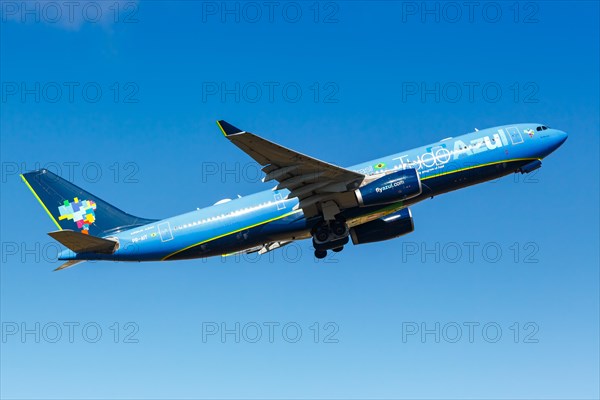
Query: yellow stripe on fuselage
x=479, y=166
x=41, y=202
x=231, y=233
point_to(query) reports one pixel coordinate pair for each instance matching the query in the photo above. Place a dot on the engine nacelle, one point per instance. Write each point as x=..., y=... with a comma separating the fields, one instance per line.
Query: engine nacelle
x=530, y=167
x=389, y=227
x=397, y=186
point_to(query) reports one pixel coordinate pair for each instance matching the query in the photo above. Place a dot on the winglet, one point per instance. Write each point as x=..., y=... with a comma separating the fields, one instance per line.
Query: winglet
x=227, y=128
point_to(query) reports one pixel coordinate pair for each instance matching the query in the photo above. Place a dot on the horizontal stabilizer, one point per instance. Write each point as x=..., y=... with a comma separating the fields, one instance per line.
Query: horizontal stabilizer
x=69, y=264
x=82, y=243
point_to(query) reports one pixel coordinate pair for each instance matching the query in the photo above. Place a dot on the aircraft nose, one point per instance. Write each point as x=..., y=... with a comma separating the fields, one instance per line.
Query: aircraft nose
x=554, y=139
x=559, y=137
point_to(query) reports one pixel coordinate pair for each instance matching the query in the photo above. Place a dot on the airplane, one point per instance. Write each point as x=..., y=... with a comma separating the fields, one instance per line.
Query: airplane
x=365, y=203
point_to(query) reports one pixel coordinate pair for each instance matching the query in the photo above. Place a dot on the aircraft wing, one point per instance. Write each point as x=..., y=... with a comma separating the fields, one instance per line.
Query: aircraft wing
x=314, y=182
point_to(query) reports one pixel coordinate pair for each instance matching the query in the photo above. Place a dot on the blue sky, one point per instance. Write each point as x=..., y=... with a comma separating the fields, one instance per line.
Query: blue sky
x=126, y=107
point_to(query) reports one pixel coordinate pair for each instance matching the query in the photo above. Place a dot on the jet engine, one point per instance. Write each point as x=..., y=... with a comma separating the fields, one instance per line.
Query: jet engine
x=391, y=188
x=389, y=227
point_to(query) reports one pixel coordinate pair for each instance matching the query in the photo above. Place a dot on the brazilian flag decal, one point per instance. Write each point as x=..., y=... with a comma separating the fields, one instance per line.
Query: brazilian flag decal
x=379, y=166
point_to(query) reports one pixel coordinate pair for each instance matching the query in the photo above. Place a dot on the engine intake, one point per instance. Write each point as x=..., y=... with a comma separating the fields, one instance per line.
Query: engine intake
x=389, y=227
x=397, y=186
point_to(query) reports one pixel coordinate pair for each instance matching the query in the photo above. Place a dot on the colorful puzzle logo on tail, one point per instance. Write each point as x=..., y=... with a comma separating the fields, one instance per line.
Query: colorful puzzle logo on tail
x=81, y=212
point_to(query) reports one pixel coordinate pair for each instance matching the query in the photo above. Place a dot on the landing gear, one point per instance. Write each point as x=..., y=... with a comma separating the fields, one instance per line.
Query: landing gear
x=320, y=254
x=322, y=233
x=332, y=235
x=338, y=227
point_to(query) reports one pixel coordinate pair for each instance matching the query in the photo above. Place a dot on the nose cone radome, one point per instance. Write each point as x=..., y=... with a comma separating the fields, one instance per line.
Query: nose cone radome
x=561, y=137
x=553, y=140
x=557, y=138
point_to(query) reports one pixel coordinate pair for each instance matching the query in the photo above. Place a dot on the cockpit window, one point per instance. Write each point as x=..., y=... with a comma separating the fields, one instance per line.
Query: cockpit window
x=544, y=127
x=539, y=128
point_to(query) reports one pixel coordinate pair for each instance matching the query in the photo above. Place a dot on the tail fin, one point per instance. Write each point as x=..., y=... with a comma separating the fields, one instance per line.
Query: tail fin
x=71, y=207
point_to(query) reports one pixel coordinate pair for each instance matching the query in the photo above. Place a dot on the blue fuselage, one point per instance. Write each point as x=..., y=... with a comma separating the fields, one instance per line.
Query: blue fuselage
x=269, y=216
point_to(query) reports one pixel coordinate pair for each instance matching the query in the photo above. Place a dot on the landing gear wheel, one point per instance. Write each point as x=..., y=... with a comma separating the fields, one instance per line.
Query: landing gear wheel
x=322, y=234
x=320, y=254
x=338, y=228
x=338, y=249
